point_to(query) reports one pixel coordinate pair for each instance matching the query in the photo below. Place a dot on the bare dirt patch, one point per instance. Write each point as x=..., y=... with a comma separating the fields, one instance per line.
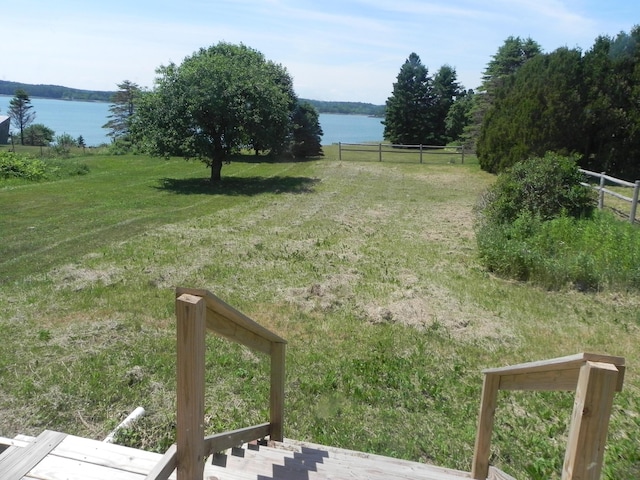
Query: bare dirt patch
x=77, y=277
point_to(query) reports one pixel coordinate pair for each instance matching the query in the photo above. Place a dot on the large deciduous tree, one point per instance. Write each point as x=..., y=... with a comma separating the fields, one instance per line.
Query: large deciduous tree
x=219, y=100
x=121, y=110
x=20, y=111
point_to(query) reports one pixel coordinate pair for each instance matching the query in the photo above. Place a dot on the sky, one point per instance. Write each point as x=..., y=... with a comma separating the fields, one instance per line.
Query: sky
x=339, y=50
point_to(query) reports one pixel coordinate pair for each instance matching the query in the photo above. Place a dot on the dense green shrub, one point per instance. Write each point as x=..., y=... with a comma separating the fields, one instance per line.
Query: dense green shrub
x=546, y=187
x=18, y=166
x=538, y=224
x=15, y=166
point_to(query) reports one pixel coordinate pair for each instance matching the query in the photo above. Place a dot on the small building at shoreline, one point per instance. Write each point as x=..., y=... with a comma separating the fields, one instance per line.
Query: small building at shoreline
x=4, y=129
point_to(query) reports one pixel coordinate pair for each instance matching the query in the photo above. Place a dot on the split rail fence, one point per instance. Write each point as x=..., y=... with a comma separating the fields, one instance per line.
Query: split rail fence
x=604, y=178
x=390, y=150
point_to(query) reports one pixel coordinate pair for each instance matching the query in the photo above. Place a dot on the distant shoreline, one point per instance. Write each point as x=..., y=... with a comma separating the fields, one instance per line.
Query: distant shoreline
x=58, y=92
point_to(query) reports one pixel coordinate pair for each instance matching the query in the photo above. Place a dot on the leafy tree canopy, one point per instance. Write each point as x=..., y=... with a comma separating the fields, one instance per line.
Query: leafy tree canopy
x=219, y=100
x=38, y=134
x=307, y=132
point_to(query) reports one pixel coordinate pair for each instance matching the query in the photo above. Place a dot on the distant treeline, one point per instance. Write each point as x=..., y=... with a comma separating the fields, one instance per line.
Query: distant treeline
x=65, y=93
x=348, y=108
x=55, y=91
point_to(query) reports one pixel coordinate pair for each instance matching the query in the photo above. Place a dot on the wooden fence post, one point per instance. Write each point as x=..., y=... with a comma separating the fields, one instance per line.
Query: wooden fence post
x=601, y=191
x=276, y=400
x=590, y=421
x=380, y=151
x=482, y=450
x=340, y=151
x=462, y=155
x=191, y=314
x=634, y=202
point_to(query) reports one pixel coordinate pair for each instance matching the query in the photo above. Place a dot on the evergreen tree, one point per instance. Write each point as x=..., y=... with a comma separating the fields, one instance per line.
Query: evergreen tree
x=307, y=132
x=509, y=58
x=567, y=102
x=537, y=109
x=612, y=121
x=20, y=111
x=459, y=116
x=446, y=90
x=122, y=109
x=408, y=119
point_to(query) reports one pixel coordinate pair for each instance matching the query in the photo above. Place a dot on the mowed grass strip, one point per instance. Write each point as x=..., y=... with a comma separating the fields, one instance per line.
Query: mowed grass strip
x=368, y=269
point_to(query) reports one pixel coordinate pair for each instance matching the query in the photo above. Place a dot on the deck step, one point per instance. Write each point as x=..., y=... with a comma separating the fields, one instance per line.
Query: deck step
x=294, y=460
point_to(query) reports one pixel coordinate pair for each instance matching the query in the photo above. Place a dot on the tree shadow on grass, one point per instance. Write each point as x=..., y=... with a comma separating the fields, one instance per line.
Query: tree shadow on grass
x=268, y=158
x=247, y=186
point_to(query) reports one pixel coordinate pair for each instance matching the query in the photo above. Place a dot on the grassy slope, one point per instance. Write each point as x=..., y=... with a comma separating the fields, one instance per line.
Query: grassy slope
x=368, y=269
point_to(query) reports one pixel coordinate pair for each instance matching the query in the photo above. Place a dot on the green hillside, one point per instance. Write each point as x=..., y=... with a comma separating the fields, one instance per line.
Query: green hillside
x=54, y=91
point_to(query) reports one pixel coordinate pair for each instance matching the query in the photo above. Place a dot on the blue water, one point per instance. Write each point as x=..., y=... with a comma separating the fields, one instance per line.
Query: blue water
x=87, y=118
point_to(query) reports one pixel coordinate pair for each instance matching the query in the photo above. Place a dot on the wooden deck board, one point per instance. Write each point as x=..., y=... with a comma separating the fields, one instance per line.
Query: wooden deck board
x=67, y=457
x=107, y=455
x=17, y=463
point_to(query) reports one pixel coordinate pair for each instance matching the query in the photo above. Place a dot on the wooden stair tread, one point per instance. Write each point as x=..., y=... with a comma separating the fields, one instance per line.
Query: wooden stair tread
x=291, y=460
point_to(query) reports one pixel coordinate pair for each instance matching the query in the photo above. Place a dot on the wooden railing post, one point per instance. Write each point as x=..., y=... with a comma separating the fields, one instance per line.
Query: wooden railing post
x=590, y=421
x=601, y=191
x=634, y=202
x=482, y=450
x=276, y=402
x=191, y=329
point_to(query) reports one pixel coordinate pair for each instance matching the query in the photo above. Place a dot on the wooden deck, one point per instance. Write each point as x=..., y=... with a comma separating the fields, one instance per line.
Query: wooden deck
x=57, y=456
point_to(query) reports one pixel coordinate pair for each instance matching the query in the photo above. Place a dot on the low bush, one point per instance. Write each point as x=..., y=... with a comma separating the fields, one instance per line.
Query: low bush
x=551, y=236
x=546, y=187
x=13, y=165
x=16, y=166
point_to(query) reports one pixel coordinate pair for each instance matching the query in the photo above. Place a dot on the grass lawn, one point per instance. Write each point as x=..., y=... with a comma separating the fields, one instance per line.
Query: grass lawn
x=368, y=269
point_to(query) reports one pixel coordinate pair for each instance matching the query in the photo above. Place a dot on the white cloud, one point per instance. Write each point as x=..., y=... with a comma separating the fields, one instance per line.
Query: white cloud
x=347, y=50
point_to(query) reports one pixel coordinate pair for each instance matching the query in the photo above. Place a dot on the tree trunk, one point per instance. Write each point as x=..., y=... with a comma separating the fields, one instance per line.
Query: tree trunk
x=216, y=168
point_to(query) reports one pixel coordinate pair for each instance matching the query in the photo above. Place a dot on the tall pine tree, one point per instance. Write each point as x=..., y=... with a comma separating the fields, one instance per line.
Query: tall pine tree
x=408, y=119
x=20, y=111
x=122, y=109
x=446, y=90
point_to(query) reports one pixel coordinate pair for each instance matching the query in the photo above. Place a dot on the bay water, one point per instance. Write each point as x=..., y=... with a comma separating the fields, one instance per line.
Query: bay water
x=87, y=119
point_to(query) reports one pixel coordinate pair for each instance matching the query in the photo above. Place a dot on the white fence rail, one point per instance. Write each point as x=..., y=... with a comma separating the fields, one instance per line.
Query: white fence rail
x=381, y=148
x=604, y=178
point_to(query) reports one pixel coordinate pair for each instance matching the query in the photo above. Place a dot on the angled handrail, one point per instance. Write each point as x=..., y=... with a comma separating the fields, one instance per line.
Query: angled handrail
x=196, y=312
x=595, y=378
